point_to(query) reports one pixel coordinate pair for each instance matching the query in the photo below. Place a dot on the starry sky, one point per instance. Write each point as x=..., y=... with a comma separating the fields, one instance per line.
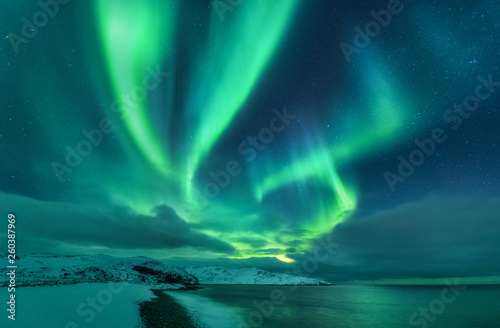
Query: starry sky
x=254, y=132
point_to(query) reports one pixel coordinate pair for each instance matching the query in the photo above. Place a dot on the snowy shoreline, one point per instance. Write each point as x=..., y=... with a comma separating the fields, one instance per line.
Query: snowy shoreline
x=206, y=313
x=92, y=290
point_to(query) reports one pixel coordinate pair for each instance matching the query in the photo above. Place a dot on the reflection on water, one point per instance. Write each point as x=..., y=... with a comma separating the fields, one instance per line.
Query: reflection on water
x=359, y=306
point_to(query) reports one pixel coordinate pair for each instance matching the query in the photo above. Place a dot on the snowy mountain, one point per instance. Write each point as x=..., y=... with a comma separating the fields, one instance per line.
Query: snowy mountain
x=47, y=269
x=249, y=276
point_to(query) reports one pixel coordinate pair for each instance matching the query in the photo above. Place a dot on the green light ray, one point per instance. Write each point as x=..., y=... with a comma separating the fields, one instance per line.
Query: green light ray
x=132, y=35
x=363, y=129
x=229, y=69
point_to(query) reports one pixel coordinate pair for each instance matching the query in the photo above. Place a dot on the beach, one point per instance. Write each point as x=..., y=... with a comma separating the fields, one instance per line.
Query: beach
x=164, y=311
x=184, y=309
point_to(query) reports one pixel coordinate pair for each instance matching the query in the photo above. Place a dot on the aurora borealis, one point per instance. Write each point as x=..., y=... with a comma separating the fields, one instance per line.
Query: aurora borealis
x=248, y=138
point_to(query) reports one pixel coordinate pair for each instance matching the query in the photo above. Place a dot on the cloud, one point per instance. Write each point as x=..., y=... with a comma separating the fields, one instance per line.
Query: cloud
x=433, y=238
x=50, y=223
x=265, y=263
x=254, y=242
x=436, y=237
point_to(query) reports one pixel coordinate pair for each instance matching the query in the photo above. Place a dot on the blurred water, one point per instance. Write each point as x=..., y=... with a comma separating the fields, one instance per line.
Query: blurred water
x=359, y=306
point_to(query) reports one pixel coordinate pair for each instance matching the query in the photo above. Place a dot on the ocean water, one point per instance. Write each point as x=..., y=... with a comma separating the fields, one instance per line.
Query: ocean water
x=351, y=306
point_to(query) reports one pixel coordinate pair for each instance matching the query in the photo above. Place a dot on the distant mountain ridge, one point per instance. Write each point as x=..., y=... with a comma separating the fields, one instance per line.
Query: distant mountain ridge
x=48, y=269
x=248, y=276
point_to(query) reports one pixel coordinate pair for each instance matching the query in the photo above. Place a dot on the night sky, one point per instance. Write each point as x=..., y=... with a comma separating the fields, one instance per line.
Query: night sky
x=250, y=132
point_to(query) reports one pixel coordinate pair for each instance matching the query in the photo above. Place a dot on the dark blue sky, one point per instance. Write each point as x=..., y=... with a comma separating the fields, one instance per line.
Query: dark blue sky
x=204, y=132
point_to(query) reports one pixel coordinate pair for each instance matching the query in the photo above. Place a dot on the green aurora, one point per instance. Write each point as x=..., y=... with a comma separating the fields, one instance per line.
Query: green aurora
x=246, y=134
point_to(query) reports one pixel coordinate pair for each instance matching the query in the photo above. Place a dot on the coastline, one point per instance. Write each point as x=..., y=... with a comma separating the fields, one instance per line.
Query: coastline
x=184, y=309
x=164, y=311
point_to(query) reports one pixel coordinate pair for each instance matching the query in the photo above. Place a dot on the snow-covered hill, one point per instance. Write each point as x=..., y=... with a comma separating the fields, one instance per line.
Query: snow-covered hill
x=47, y=269
x=251, y=276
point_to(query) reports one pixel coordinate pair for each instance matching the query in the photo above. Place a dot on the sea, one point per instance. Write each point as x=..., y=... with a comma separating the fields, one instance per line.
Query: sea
x=339, y=306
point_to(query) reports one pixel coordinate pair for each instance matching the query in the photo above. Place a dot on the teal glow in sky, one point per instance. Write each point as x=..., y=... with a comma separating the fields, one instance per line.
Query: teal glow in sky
x=251, y=138
x=131, y=36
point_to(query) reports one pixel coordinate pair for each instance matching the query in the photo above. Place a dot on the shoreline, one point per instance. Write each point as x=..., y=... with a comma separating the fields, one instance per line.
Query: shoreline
x=184, y=309
x=164, y=311
x=174, y=308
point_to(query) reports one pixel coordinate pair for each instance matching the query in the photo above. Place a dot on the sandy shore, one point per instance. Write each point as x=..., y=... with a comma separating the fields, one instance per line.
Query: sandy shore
x=164, y=312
